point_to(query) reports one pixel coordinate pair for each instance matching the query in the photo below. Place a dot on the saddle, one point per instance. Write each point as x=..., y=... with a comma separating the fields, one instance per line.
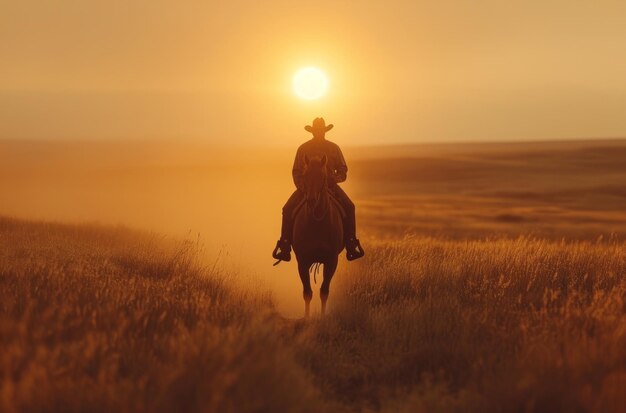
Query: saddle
x=333, y=199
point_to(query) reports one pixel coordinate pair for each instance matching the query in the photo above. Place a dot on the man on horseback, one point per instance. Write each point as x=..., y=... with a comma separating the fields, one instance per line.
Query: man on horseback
x=318, y=146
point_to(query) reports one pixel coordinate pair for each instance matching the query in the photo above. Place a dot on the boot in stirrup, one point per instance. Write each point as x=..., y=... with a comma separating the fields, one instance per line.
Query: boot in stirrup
x=282, y=252
x=353, y=249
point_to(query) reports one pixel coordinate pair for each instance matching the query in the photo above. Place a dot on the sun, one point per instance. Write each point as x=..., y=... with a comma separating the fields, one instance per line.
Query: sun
x=310, y=83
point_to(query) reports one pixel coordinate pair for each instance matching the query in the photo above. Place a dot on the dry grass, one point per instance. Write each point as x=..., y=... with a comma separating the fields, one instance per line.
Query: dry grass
x=97, y=319
x=506, y=325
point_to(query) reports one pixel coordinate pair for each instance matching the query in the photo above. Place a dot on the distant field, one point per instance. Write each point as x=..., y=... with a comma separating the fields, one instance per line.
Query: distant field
x=105, y=319
x=555, y=190
x=551, y=189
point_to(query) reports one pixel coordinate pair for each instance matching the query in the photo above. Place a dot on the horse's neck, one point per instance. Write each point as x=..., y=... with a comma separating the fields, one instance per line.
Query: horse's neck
x=324, y=200
x=322, y=207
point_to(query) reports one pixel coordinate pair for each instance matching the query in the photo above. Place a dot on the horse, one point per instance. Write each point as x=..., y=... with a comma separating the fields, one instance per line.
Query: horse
x=318, y=237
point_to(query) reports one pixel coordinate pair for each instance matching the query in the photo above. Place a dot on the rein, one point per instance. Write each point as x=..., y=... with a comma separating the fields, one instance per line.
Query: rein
x=318, y=199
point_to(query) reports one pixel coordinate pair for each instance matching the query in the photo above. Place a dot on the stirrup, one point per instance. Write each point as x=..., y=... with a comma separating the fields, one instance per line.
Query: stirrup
x=282, y=252
x=354, y=250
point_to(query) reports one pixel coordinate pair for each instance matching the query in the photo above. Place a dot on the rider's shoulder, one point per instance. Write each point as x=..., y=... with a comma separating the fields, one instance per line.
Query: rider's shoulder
x=315, y=145
x=304, y=145
x=332, y=144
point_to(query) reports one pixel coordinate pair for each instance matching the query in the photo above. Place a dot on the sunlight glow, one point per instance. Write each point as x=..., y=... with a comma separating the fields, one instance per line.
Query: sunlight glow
x=310, y=83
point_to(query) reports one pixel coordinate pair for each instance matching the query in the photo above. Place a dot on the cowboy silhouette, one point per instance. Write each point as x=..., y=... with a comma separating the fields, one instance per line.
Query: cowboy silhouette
x=319, y=147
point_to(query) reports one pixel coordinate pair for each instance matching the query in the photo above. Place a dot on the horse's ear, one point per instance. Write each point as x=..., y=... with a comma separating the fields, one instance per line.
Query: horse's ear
x=324, y=160
x=306, y=160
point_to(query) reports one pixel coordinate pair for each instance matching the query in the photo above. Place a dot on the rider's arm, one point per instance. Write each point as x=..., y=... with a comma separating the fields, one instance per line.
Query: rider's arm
x=298, y=169
x=341, y=170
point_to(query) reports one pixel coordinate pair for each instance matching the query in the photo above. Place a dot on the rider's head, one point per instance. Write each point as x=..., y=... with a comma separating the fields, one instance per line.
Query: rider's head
x=318, y=128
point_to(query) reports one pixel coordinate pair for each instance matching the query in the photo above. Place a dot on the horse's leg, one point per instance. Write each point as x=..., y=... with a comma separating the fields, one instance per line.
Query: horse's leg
x=307, y=292
x=329, y=270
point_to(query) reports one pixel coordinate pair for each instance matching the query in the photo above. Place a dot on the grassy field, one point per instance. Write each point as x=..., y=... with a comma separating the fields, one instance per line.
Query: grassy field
x=494, y=281
x=233, y=197
x=105, y=319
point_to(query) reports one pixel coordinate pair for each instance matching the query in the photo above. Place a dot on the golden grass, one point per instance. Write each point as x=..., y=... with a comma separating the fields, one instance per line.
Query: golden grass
x=504, y=325
x=99, y=319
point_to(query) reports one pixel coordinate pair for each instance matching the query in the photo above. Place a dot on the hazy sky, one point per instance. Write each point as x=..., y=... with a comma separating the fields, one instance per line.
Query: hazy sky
x=399, y=71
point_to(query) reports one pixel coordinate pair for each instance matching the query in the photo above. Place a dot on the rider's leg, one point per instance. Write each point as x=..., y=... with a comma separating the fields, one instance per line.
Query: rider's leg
x=353, y=246
x=286, y=231
x=282, y=251
x=349, y=224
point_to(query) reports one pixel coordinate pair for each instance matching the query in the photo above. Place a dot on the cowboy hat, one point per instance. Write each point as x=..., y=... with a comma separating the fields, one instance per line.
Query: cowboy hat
x=318, y=124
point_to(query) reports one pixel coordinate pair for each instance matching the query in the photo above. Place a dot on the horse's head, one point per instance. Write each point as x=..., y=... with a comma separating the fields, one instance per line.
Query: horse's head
x=315, y=179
